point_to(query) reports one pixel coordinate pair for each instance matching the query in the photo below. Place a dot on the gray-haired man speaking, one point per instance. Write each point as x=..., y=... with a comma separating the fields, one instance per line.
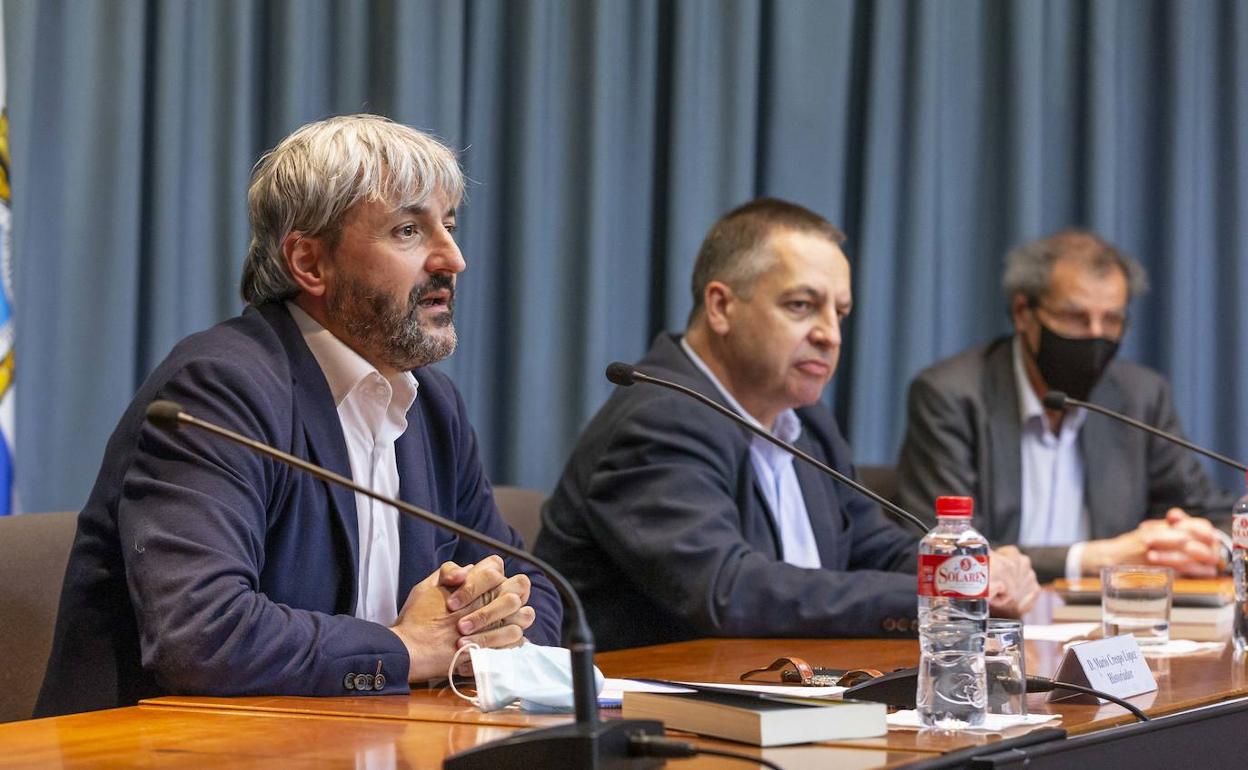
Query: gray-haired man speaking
x=202, y=568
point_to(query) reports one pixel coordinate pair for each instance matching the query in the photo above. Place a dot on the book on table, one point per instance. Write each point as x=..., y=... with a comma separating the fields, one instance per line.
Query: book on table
x=1202, y=609
x=760, y=721
x=1187, y=592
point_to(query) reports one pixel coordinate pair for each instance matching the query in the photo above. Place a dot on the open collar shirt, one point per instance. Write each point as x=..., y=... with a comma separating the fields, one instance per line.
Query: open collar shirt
x=373, y=411
x=776, y=474
x=1054, y=511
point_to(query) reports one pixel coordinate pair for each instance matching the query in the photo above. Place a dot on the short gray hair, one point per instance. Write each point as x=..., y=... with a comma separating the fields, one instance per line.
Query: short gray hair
x=1029, y=267
x=315, y=176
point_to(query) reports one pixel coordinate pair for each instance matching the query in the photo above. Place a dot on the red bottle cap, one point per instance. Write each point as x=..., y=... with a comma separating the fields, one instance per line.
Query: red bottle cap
x=955, y=507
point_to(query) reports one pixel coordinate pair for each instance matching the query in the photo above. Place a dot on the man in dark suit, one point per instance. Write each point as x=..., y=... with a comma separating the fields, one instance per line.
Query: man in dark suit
x=201, y=567
x=1075, y=491
x=674, y=523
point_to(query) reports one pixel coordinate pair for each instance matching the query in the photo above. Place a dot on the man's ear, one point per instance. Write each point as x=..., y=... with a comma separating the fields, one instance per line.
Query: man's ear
x=717, y=301
x=305, y=259
x=1019, y=307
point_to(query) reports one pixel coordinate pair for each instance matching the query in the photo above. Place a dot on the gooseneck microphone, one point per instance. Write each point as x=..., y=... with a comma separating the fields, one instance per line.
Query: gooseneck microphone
x=624, y=375
x=588, y=742
x=1057, y=401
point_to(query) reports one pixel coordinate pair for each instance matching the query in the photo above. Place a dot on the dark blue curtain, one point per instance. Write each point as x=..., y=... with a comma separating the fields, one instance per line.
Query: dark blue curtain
x=604, y=138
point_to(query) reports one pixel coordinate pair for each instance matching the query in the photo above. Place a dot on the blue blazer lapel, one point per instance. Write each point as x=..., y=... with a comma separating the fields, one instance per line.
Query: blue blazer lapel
x=675, y=364
x=823, y=508
x=418, y=540
x=327, y=447
x=760, y=501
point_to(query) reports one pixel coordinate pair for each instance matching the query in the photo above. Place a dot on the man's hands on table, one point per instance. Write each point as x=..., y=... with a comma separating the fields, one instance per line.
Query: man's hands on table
x=460, y=605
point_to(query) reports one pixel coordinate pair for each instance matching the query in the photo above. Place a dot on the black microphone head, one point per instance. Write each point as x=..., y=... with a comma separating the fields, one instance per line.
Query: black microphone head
x=1054, y=400
x=621, y=373
x=164, y=414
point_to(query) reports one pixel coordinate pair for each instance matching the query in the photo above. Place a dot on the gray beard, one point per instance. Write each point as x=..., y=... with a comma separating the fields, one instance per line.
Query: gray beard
x=386, y=333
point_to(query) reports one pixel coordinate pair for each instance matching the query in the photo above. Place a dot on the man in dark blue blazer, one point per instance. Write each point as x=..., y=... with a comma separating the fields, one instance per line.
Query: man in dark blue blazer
x=201, y=567
x=675, y=523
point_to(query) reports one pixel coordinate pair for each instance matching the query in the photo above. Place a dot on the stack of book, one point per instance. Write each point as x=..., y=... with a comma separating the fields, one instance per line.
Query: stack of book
x=758, y=718
x=1202, y=610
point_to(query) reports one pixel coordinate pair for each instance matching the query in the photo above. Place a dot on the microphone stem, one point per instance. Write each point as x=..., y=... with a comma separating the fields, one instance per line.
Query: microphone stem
x=580, y=639
x=1158, y=432
x=1040, y=684
x=896, y=510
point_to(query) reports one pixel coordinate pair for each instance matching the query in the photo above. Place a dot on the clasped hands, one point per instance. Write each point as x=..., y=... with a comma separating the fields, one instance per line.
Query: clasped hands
x=460, y=605
x=1012, y=585
x=1188, y=544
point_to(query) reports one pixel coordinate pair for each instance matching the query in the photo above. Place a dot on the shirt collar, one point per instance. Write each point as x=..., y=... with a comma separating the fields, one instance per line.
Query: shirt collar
x=788, y=425
x=344, y=369
x=1029, y=406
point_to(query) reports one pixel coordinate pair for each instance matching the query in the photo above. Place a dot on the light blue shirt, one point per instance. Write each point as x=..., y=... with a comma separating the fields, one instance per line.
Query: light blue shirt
x=776, y=475
x=1054, y=511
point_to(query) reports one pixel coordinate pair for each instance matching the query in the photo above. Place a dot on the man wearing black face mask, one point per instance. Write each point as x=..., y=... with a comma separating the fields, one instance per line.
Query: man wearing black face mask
x=1074, y=493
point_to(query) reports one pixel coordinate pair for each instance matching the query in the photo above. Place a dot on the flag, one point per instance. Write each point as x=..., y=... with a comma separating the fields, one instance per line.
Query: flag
x=8, y=492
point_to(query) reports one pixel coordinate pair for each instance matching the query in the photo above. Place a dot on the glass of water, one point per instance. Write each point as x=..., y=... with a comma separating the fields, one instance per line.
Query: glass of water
x=1005, y=663
x=1136, y=600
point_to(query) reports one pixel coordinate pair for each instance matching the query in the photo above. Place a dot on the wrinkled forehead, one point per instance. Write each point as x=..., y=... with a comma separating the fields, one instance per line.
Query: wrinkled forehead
x=802, y=256
x=1083, y=282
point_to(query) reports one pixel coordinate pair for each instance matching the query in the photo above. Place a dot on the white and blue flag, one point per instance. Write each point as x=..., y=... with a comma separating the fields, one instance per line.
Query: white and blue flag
x=8, y=492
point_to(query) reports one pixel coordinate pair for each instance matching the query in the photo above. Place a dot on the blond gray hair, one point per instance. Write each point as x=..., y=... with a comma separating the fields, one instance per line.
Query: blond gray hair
x=315, y=176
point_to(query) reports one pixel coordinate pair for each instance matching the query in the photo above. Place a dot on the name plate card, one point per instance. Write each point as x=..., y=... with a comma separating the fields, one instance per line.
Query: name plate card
x=1115, y=666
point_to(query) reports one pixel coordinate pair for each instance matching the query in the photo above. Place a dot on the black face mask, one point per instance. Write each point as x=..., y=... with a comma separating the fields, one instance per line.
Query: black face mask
x=1072, y=364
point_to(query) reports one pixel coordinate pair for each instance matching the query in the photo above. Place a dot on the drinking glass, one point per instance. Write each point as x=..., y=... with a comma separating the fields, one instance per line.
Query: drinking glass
x=1005, y=663
x=1136, y=600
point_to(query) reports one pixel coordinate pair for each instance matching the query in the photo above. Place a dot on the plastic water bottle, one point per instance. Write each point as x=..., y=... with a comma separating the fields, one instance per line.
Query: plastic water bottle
x=953, y=618
x=1239, y=568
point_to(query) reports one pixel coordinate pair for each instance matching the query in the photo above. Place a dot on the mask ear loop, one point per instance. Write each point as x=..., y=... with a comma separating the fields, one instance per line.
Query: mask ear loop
x=450, y=673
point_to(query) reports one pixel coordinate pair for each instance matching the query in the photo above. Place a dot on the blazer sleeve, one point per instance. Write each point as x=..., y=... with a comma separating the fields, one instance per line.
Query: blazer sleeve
x=880, y=541
x=1175, y=476
x=1049, y=561
x=938, y=454
x=663, y=498
x=192, y=522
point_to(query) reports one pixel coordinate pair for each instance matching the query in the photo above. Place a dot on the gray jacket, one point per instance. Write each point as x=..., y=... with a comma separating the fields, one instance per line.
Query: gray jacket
x=963, y=438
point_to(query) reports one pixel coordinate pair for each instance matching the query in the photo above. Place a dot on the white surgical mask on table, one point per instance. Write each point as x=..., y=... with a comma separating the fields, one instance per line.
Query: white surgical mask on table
x=539, y=677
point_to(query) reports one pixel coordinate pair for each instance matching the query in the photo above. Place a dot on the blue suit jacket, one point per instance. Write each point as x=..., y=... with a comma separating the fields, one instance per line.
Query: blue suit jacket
x=661, y=526
x=201, y=567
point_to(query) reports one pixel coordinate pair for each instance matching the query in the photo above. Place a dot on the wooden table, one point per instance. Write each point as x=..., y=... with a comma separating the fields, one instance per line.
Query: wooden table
x=175, y=737
x=420, y=729
x=1183, y=683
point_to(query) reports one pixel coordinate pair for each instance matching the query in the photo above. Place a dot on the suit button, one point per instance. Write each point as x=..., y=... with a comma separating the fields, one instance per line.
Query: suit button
x=890, y=624
x=362, y=682
x=349, y=681
x=379, y=682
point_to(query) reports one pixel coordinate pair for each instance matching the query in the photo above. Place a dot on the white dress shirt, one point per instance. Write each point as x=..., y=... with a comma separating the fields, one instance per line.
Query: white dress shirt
x=1054, y=511
x=373, y=411
x=777, y=477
